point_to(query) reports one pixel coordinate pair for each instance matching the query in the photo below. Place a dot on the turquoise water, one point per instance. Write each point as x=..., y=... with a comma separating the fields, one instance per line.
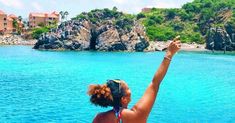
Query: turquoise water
x=47, y=86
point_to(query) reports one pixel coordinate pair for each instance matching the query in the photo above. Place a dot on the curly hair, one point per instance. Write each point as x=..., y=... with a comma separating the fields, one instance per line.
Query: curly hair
x=108, y=94
x=100, y=95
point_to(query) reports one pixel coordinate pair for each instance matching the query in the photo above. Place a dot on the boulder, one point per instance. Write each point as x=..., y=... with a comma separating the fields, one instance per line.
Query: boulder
x=106, y=39
x=220, y=39
x=102, y=35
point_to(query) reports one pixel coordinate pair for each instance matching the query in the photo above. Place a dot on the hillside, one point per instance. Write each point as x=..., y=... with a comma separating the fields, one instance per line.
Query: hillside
x=192, y=21
x=100, y=30
x=201, y=21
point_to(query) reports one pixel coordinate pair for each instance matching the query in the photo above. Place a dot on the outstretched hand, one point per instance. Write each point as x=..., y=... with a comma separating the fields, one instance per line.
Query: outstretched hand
x=174, y=46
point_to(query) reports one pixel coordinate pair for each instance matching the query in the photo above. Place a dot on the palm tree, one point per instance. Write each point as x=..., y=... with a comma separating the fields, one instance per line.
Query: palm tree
x=25, y=23
x=115, y=8
x=66, y=14
x=62, y=15
x=20, y=18
x=15, y=25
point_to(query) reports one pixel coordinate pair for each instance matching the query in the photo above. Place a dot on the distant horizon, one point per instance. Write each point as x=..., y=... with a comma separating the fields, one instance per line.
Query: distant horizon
x=24, y=7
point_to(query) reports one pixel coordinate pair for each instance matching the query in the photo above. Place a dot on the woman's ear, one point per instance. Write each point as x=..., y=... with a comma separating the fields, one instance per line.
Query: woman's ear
x=124, y=101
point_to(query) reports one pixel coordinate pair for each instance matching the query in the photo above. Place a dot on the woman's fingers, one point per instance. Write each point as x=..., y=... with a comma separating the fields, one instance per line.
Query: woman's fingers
x=178, y=46
x=177, y=41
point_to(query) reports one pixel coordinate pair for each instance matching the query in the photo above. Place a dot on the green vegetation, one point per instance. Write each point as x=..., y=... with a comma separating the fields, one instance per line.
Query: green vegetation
x=122, y=20
x=99, y=15
x=192, y=21
x=16, y=26
x=36, y=32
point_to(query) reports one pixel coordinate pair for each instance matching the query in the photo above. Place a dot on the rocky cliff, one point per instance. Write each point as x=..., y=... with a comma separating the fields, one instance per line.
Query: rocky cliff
x=98, y=30
x=221, y=39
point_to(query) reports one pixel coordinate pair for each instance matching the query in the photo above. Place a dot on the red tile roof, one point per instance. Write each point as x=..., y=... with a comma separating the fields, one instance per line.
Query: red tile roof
x=2, y=13
x=56, y=13
x=37, y=14
x=13, y=16
x=9, y=18
x=53, y=15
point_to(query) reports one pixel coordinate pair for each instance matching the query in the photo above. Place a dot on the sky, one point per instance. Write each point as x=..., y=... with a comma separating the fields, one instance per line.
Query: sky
x=75, y=7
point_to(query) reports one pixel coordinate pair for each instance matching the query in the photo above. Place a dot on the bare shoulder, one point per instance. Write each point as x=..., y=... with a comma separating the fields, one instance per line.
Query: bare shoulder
x=100, y=117
x=130, y=115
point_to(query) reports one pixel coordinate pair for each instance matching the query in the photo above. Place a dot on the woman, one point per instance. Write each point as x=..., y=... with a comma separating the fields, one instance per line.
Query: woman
x=115, y=93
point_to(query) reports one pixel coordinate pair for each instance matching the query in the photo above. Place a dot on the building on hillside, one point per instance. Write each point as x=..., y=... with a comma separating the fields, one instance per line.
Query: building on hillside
x=10, y=23
x=146, y=9
x=43, y=19
x=7, y=23
x=3, y=22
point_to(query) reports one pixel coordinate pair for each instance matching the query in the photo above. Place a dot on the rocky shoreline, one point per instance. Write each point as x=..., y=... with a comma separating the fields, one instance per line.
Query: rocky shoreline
x=162, y=45
x=153, y=45
x=103, y=36
x=15, y=40
x=83, y=35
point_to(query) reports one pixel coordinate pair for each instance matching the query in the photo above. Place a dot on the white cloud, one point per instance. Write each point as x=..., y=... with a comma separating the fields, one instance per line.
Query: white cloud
x=53, y=2
x=120, y=1
x=13, y=3
x=166, y=5
x=170, y=3
x=36, y=6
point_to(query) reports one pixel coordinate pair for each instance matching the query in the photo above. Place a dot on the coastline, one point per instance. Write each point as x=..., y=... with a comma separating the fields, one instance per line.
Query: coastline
x=188, y=47
x=153, y=45
x=15, y=40
x=184, y=49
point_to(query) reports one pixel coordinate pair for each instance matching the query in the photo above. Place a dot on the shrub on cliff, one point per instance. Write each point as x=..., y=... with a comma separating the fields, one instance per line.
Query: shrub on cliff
x=192, y=21
x=36, y=32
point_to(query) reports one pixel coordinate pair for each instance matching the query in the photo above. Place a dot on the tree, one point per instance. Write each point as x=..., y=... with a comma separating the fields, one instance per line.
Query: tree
x=62, y=16
x=25, y=23
x=115, y=8
x=20, y=18
x=15, y=23
x=66, y=13
x=171, y=13
x=158, y=19
x=140, y=15
x=185, y=16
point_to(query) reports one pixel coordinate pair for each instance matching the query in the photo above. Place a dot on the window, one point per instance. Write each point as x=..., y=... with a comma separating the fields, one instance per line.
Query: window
x=34, y=18
x=5, y=24
x=4, y=19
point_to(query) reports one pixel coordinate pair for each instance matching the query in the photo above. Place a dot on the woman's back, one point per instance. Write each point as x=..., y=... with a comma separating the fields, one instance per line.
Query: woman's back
x=109, y=117
x=106, y=117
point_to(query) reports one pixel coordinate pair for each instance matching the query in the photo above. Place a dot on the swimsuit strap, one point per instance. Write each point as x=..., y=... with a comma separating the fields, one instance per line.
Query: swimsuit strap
x=118, y=115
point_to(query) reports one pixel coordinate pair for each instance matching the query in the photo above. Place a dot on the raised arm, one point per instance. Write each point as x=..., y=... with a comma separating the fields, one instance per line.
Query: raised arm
x=145, y=104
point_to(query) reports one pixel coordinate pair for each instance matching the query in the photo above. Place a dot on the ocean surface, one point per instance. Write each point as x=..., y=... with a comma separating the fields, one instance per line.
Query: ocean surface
x=50, y=87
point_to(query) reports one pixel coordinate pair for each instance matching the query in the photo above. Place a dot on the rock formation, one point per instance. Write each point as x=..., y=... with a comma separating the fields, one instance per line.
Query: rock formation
x=220, y=39
x=105, y=34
